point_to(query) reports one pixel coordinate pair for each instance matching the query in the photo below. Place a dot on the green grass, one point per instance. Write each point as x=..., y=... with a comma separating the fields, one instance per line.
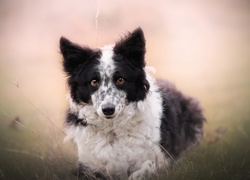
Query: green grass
x=226, y=158
x=25, y=154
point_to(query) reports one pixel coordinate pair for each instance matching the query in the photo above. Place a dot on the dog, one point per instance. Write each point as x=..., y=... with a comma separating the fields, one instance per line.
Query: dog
x=125, y=123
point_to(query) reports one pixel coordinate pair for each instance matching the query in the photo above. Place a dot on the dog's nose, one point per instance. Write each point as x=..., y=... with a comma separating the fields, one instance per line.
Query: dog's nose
x=108, y=109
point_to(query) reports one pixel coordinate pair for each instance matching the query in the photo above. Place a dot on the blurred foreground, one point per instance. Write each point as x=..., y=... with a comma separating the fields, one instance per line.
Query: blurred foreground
x=203, y=47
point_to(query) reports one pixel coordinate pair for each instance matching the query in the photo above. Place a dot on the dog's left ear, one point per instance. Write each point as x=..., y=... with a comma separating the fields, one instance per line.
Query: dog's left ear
x=132, y=48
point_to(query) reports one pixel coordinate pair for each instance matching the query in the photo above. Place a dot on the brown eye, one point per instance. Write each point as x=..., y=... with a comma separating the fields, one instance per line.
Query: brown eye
x=94, y=82
x=120, y=81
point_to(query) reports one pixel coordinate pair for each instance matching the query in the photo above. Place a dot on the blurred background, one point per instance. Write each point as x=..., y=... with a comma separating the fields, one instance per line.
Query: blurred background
x=201, y=46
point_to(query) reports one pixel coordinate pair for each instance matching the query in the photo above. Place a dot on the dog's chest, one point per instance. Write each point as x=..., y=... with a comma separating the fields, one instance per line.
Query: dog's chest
x=115, y=150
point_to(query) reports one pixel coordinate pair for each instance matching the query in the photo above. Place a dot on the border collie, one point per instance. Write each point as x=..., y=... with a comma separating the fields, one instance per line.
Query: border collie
x=125, y=123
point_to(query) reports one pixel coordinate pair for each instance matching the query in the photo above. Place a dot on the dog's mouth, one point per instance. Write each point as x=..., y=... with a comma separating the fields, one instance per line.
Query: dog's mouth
x=109, y=117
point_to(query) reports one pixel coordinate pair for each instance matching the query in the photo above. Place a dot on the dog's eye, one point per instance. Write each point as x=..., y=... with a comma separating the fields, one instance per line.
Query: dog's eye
x=120, y=81
x=94, y=82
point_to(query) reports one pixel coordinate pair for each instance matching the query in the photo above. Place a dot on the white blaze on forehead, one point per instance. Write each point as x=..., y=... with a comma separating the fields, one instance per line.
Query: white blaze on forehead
x=107, y=55
x=106, y=66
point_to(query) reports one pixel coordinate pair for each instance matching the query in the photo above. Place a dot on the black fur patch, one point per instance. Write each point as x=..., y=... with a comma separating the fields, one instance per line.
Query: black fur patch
x=129, y=60
x=182, y=120
x=73, y=119
x=132, y=48
x=79, y=63
x=135, y=79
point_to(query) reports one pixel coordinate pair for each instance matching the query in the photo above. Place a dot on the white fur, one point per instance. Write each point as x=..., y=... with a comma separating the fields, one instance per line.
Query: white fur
x=127, y=143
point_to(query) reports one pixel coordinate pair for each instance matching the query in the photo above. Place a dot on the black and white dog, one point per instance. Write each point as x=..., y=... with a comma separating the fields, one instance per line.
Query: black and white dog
x=125, y=123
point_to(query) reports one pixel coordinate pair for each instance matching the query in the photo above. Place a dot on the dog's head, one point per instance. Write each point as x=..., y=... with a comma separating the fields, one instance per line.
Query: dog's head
x=108, y=78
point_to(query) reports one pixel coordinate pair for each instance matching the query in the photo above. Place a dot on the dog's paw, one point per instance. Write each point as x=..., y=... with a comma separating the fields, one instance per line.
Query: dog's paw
x=147, y=169
x=136, y=176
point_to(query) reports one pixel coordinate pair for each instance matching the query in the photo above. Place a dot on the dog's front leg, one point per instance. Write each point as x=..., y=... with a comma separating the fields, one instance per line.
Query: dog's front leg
x=148, y=168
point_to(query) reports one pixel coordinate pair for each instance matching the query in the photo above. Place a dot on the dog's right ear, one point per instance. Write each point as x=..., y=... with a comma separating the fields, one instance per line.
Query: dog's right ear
x=74, y=55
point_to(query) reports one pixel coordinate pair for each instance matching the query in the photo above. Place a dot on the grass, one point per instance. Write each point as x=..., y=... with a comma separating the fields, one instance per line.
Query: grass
x=226, y=158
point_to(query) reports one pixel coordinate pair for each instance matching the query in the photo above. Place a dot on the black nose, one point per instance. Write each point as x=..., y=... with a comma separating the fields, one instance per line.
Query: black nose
x=108, y=109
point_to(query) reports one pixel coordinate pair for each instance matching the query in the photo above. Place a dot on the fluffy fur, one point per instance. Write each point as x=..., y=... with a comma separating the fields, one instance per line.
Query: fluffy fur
x=125, y=123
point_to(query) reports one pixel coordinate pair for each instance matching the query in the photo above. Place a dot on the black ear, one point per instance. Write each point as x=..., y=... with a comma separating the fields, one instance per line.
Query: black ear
x=132, y=48
x=74, y=56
